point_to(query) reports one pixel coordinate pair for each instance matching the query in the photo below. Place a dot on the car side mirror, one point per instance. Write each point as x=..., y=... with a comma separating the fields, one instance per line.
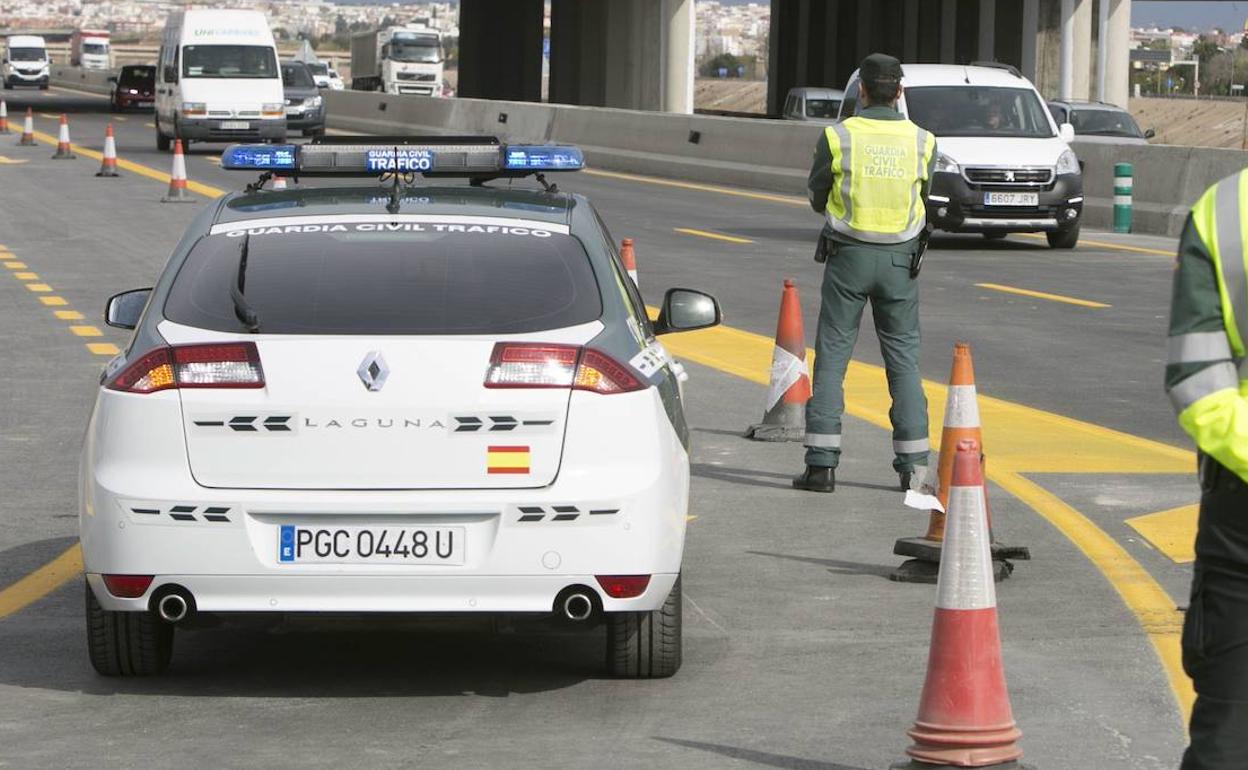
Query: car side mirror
x=124, y=310
x=1066, y=132
x=171, y=74
x=112, y=79
x=685, y=310
x=1149, y=134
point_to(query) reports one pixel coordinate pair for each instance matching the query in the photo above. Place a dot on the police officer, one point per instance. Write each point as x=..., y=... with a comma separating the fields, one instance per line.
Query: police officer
x=870, y=177
x=1207, y=380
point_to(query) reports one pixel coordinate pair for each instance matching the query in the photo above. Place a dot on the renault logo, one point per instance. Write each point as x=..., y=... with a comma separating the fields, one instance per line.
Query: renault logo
x=373, y=371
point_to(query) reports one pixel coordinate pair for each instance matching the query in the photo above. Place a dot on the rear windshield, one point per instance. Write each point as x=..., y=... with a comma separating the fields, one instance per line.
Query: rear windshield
x=978, y=111
x=822, y=108
x=1104, y=123
x=137, y=76
x=421, y=278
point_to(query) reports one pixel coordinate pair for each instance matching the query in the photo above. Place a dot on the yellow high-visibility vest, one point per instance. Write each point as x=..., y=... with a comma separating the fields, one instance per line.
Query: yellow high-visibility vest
x=878, y=169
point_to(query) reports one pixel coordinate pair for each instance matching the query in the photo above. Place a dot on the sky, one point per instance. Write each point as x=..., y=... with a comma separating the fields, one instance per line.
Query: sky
x=1189, y=15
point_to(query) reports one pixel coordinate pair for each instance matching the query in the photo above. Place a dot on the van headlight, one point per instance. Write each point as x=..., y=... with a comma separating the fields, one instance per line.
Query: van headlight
x=194, y=109
x=272, y=110
x=1067, y=163
x=946, y=164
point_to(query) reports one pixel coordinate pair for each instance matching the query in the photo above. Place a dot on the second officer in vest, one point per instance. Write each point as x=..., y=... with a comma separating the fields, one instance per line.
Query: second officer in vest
x=870, y=177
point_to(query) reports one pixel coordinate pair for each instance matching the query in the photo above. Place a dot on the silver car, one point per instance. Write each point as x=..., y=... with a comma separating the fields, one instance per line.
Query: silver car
x=1100, y=122
x=819, y=105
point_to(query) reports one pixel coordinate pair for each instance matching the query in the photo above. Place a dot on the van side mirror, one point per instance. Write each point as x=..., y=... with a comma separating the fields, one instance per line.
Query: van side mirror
x=124, y=310
x=1149, y=134
x=112, y=79
x=685, y=310
x=1066, y=132
x=171, y=74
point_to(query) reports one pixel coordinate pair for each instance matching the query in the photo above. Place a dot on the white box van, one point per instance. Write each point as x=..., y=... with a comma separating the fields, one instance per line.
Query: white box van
x=217, y=79
x=1003, y=166
x=25, y=62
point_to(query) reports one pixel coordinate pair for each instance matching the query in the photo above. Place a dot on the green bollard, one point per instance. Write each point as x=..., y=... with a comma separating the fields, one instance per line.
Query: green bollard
x=1122, y=197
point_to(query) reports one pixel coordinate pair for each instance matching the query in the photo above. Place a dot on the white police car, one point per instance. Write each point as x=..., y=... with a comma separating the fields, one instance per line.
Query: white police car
x=395, y=399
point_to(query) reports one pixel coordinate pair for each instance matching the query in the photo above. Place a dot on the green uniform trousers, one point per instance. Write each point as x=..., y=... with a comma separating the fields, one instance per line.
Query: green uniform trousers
x=853, y=275
x=1215, y=631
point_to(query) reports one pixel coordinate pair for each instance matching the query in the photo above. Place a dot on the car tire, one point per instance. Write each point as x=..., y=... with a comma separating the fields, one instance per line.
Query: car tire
x=1063, y=239
x=994, y=236
x=646, y=645
x=163, y=142
x=127, y=643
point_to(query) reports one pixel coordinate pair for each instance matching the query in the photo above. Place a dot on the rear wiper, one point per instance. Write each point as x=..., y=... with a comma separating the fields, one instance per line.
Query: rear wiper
x=242, y=309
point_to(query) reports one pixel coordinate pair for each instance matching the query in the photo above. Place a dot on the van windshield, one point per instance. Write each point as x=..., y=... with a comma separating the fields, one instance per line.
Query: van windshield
x=415, y=48
x=318, y=68
x=978, y=111
x=27, y=54
x=95, y=48
x=228, y=61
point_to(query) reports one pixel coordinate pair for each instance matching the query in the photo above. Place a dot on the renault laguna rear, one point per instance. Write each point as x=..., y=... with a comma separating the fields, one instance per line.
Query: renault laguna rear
x=389, y=400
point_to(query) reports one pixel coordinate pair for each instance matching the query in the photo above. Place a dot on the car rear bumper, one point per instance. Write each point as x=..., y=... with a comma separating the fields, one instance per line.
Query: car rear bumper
x=955, y=205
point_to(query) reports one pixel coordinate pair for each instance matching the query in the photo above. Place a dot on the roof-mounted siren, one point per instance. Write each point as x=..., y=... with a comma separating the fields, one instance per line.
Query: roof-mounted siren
x=476, y=158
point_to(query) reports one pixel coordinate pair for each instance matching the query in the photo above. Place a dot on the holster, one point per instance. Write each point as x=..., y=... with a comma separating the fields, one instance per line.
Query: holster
x=823, y=247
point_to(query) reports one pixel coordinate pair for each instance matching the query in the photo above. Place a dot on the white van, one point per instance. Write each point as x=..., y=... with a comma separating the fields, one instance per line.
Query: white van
x=217, y=79
x=25, y=62
x=1003, y=166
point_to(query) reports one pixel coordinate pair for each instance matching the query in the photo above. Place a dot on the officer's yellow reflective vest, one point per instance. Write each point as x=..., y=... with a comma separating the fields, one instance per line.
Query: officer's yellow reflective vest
x=878, y=170
x=1212, y=403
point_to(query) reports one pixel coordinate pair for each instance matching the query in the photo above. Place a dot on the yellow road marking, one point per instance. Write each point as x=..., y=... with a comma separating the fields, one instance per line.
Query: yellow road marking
x=787, y=199
x=86, y=331
x=26, y=276
x=103, y=348
x=15, y=265
x=118, y=118
x=53, y=301
x=150, y=173
x=1172, y=532
x=38, y=287
x=213, y=159
x=150, y=125
x=1107, y=245
x=42, y=581
x=6, y=161
x=68, y=315
x=1019, y=439
x=713, y=236
x=48, y=116
x=1042, y=295
x=691, y=517
x=76, y=91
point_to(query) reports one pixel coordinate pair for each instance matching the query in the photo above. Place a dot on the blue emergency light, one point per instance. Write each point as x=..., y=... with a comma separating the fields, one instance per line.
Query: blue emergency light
x=472, y=157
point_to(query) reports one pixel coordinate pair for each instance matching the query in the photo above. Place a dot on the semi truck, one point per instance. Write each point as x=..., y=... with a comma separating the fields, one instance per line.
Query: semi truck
x=89, y=49
x=398, y=60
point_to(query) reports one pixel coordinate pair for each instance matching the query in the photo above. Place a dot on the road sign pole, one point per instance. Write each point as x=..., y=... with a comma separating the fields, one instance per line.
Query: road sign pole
x=1123, y=183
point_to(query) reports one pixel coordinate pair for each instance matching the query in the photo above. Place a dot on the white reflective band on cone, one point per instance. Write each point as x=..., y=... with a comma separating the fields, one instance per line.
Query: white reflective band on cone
x=786, y=369
x=961, y=407
x=965, y=581
x=179, y=166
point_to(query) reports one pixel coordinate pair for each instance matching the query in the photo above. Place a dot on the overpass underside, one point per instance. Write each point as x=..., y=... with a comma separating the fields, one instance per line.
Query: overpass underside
x=638, y=54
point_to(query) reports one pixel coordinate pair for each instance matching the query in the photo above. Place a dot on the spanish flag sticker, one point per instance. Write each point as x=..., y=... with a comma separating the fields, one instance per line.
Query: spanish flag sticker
x=507, y=459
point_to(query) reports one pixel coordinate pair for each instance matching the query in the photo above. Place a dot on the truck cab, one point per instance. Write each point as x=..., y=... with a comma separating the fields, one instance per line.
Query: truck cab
x=25, y=62
x=89, y=49
x=398, y=60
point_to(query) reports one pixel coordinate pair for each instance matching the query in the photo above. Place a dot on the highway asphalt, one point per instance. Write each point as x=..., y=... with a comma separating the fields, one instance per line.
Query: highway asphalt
x=800, y=653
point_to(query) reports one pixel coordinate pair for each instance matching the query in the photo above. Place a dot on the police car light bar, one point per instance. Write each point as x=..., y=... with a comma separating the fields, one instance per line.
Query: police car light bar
x=476, y=157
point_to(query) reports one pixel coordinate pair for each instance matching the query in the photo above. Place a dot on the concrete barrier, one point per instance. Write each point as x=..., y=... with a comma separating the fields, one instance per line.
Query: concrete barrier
x=92, y=81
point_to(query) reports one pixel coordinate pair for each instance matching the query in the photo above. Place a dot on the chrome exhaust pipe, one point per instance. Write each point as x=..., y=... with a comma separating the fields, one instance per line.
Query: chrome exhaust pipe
x=578, y=607
x=172, y=608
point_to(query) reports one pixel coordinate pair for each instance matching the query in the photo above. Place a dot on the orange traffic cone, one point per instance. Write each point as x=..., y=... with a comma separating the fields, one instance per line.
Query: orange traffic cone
x=108, y=165
x=961, y=423
x=965, y=718
x=279, y=183
x=28, y=130
x=177, y=179
x=63, y=151
x=629, y=259
x=785, y=416
x=4, y=117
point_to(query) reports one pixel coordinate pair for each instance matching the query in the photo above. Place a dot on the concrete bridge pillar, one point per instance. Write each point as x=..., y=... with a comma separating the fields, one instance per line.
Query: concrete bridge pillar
x=500, y=49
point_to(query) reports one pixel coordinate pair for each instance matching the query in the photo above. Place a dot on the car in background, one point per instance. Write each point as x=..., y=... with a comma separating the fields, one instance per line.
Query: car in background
x=813, y=104
x=1002, y=164
x=25, y=62
x=134, y=88
x=324, y=76
x=1100, y=122
x=305, y=107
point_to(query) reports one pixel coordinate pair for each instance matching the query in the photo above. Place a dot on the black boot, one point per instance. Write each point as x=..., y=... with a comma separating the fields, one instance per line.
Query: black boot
x=903, y=479
x=817, y=478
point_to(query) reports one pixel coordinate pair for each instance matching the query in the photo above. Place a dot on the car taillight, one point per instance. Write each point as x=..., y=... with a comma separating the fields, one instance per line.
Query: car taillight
x=212, y=365
x=623, y=586
x=127, y=586
x=541, y=365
